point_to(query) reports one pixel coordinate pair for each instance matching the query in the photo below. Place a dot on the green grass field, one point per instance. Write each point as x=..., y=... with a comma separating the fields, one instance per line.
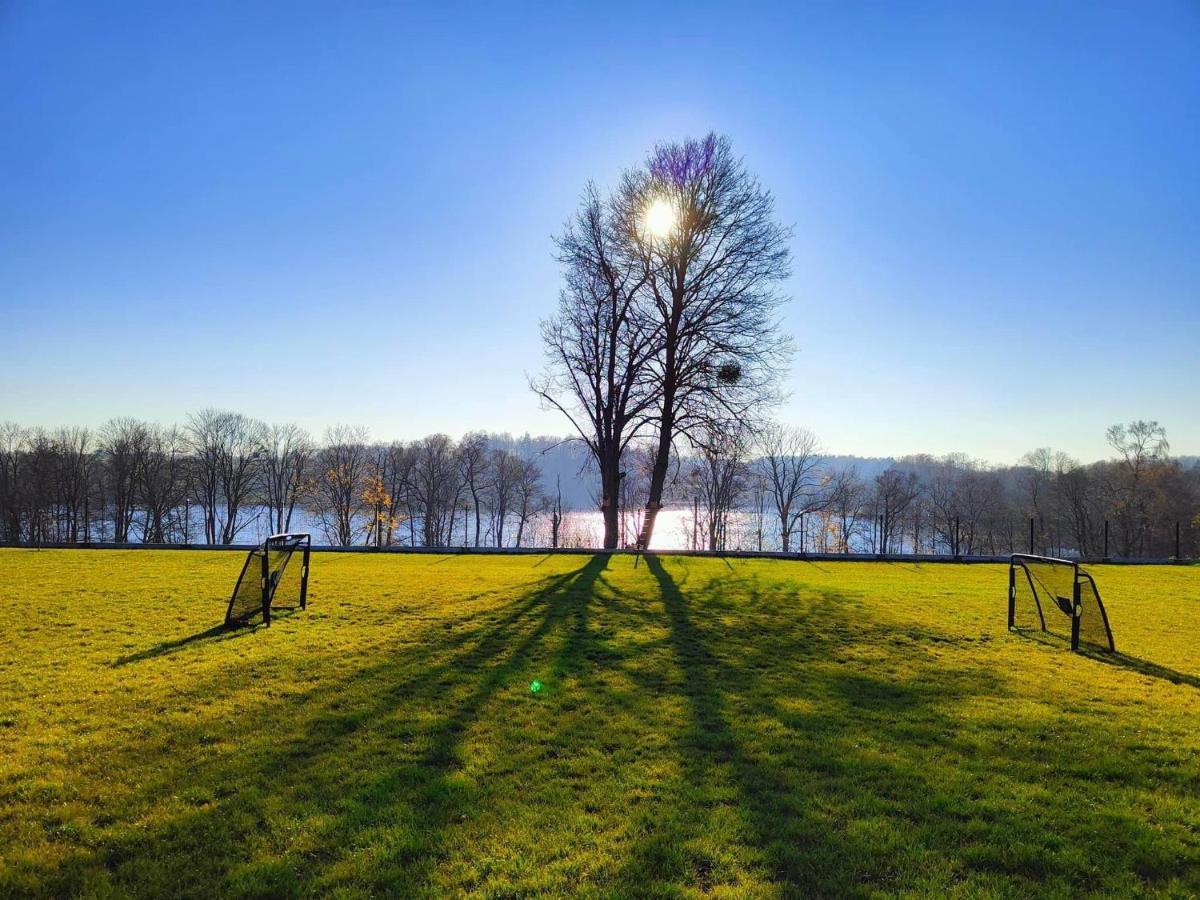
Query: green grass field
x=750, y=728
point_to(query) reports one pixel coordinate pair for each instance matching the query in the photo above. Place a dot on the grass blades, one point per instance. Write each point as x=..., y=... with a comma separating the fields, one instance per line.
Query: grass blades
x=740, y=728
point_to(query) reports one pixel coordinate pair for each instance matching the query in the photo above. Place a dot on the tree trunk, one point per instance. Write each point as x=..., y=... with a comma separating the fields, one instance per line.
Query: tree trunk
x=610, y=506
x=658, y=479
x=661, y=462
x=666, y=431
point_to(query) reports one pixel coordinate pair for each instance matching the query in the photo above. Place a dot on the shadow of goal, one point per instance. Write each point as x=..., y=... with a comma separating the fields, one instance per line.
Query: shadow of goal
x=1058, y=597
x=275, y=570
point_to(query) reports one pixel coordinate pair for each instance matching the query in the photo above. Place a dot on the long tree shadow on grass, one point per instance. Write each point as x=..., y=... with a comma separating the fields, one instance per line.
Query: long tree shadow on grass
x=725, y=774
x=348, y=749
x=373, y=780
x=840, y=776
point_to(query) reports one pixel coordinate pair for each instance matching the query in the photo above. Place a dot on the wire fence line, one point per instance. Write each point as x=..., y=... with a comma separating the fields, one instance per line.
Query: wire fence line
x=802, y=556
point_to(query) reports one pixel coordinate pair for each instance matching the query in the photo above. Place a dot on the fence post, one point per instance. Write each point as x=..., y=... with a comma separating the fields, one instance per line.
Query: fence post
x=266, y=585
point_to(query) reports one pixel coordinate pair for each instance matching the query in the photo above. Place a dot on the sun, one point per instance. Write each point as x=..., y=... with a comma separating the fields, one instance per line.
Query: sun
x=660, y=218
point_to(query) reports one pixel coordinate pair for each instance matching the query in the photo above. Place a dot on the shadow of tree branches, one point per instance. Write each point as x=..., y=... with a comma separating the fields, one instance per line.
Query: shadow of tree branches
x=728, y=732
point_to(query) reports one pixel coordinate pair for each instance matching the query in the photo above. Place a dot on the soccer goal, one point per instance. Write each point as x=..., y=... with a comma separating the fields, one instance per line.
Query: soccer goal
x=277, y=568
x=1051, y=594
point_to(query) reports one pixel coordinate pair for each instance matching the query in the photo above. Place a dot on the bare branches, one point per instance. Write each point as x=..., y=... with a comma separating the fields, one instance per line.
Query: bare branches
x=1138, y=443
x=793, y=466
x=122, y=442
x=598, y=346
x=473, y=461
x=163, y=481
x=895, y=491
x=343, y=470
x=287, y=460
x=437, y=485
x=711, y=294
x=673, y=333
x=719, y=476
x=228, y=447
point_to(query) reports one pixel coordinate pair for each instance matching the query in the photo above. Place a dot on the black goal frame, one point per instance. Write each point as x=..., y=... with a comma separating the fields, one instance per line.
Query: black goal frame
x=1078, y=577
x=267, y=581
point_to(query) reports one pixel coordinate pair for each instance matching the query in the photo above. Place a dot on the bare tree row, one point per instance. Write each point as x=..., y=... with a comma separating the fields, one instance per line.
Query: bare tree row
x=222, y=473
x=222, y=476
x=775, y=491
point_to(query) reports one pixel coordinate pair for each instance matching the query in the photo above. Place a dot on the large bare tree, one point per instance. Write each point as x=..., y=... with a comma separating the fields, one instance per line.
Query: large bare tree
x=599, y=347
x=713, y=257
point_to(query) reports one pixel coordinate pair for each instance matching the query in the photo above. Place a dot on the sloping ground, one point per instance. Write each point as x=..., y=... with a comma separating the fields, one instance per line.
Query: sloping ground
x=754, y=728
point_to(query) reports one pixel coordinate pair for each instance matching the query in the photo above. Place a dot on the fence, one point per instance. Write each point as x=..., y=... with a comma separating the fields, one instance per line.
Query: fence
x=800, y=554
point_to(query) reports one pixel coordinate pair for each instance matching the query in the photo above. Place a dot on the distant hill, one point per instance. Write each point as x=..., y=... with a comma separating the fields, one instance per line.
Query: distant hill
x=568, y=461
x=561, y=459
x=866, y=466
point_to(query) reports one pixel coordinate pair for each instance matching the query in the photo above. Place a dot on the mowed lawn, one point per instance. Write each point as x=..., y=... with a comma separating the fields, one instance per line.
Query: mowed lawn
x=744, y=728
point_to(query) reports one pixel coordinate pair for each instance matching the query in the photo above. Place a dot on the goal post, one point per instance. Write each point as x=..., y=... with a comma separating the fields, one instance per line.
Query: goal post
x=278, y=567
x=1091, y=623
x=1049, y=594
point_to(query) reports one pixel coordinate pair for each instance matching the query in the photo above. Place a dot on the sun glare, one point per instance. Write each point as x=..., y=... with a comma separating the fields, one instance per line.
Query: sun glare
x=660, y=218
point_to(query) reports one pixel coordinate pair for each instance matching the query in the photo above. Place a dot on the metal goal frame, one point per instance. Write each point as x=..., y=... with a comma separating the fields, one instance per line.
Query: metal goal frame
x=1083, y=591
x=257, y=584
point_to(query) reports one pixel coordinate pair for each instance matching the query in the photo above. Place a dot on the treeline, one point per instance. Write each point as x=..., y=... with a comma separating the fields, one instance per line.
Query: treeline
x=775, y=491
x=211, y=479
x=223, y=477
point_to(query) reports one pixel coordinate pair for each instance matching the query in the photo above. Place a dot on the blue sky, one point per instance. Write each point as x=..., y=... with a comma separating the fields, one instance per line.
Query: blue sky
x=342, y=212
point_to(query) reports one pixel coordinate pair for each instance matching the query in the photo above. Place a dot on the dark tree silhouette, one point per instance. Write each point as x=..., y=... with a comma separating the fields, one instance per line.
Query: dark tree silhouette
x=599, y=348
x=710, y=294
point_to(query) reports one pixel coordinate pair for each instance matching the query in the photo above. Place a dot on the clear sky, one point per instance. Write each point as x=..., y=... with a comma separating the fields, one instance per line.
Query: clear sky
x=342, y=212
